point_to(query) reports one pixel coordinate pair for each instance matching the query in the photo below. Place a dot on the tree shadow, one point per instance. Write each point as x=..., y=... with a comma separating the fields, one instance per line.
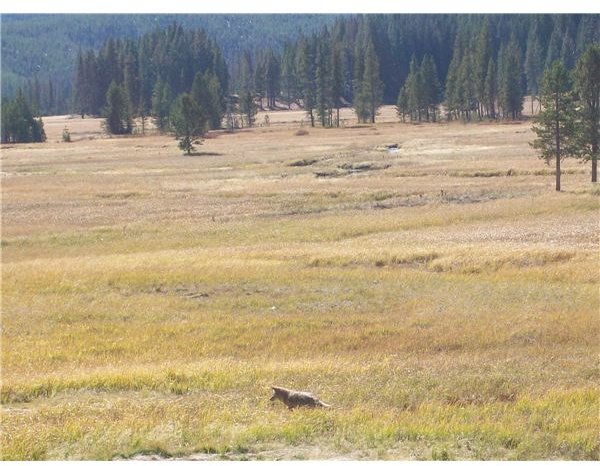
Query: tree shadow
x=201, y=154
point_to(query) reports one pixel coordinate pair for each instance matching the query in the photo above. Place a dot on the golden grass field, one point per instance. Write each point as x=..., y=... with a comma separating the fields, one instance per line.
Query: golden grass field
x=443, y=298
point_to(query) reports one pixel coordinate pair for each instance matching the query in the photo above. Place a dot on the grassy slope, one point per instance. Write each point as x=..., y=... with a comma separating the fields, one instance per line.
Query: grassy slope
x=149, y=299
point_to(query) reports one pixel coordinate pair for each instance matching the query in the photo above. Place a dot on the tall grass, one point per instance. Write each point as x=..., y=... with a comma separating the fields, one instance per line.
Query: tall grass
x=439, y=325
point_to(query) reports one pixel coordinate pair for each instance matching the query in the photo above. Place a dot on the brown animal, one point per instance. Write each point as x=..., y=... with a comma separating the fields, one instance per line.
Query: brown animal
x=292, y=398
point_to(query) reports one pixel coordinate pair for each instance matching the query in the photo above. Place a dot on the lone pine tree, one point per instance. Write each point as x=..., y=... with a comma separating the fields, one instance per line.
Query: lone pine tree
x=188, y=122
x=555, y=126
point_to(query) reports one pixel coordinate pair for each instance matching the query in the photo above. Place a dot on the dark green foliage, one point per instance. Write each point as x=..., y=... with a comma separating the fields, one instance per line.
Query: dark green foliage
x=305, y=67
x=430, y=87
x=23, y=37
x=272, y=78
x=289, y=80
x=324, y=81
x=555, y=126
x=188, y=122
x=491, y=90
x=420, y=95
x=117, y=111
x=482, y=54
x=534, y=61
x=162, y=99
x=587, y=85
x=206, y=92
x=402, y=107
x=152, y=70
x=19, y=123
x=369, y=93
x=511, y=88
x=337, y=81
x=140, y=53
x=414, y=90
x=248, y=108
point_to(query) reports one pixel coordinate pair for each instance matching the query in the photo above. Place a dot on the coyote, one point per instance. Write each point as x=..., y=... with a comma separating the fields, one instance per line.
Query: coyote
x=292, y=399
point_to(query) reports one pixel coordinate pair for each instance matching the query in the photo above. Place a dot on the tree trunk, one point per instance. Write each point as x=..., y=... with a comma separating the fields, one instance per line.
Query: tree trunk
x=594, y=162
x=338, y=117
x=557, y=135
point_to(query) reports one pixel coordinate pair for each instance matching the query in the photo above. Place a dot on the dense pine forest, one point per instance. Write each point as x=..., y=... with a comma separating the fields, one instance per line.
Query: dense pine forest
x=476, y=65
x=46, y=67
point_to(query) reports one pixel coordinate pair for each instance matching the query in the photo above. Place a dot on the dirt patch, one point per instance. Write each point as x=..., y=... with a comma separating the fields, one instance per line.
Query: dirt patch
x=299, y=452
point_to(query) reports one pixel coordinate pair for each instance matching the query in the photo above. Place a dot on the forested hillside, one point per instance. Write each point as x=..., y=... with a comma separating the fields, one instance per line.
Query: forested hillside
x=476, y=64
x=40, y=51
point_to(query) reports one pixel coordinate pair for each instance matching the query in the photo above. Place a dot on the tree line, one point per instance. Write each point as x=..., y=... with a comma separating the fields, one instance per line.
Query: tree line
x=477, y=66
x=52, y=62
x=151, y=72
x=469, y=66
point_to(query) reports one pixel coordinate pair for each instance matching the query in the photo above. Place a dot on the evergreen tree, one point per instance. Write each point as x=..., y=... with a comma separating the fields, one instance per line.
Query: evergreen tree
x=482, y=55
x=246, y=74
x=452, y=96
x=248, y=108
x=188, y=122
x=510, y=81
x=19, y=123
x=414, y=90
x=324, y=85
x=555, y=126
x=81, y=92
x=534, y=63
x=337, y=83
x=467, y=87
x=402, y=104
x=554, y=44
x=568, y=50
x=430, y=87
x=216, y=102
x=587, y=84
x=272, y=79
x=370, y=91
x=206, y=92
x=50, y=104
x=491, y=89
x=130, y=78
x=306, y=73
x=454, y=91
x=288, y=73
x=35, y=98
x=161, y=104
x=117, y=111
x=260, y=79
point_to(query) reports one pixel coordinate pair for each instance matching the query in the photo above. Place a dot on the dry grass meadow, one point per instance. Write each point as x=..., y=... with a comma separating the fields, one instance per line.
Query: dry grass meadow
x=442, y=297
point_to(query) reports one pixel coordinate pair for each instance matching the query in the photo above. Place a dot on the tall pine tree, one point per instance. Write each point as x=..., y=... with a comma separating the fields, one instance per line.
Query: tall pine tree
x=555, y=126
x=370, y=89
x=587, y=84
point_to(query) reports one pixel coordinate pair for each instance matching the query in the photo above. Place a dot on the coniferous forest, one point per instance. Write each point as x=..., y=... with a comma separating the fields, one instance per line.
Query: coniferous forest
x=477, y=66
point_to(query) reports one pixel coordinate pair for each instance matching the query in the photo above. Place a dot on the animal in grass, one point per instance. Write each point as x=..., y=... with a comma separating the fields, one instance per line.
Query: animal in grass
x=293, y=399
